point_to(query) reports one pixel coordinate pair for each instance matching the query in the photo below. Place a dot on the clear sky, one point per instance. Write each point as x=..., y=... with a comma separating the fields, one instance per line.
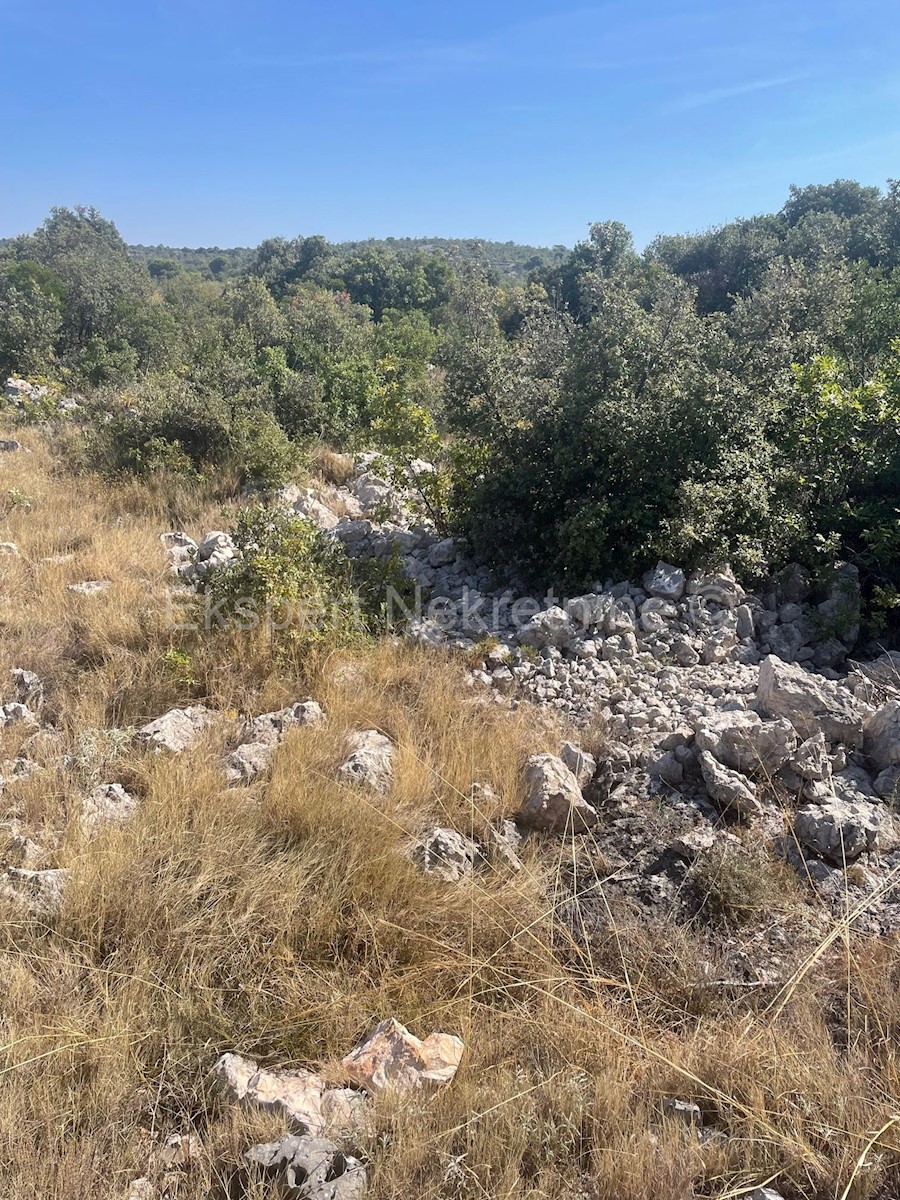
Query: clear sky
x=220, y=122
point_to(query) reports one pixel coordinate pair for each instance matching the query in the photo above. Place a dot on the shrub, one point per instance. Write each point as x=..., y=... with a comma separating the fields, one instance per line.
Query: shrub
x=170, y=428
x=288, y=580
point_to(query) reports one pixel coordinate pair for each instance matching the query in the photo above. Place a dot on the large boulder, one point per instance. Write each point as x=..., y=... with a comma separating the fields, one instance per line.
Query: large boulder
x=838, y=830
x=743, y=741
x=305, y=1099
x=177, y=729
x=370, y=761
x=392, y=1057
x=553, y=801
x=307, y=1168
x=810, y=702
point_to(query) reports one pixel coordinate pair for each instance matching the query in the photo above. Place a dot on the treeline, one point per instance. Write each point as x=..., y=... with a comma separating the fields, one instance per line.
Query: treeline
x=731, y=395
x=502, y=262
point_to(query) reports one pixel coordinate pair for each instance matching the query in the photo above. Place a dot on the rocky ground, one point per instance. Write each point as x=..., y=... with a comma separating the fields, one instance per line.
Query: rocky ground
x=689, y=790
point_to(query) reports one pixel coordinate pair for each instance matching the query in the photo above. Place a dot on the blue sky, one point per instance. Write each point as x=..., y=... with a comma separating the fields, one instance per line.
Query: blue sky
x=220, y=122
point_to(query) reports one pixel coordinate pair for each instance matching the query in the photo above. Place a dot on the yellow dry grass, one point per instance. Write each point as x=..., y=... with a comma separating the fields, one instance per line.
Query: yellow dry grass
x=284, y=920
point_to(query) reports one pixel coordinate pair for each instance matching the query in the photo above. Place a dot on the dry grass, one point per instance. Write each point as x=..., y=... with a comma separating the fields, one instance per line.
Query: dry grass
x=332, y=466
x=284, y=920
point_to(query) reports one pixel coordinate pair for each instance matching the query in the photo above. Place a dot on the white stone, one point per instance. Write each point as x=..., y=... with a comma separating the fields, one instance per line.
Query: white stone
x=727, y=788
x=838, y=830
x=810, y=702
x=445, y=853
x=553, y=801
x=370, y=761
x=303, y=1097
x=108, y=804
x=177, y=729
x=392, y=1057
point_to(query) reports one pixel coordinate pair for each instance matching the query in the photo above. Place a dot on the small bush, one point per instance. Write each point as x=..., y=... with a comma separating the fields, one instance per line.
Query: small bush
x=289, y=581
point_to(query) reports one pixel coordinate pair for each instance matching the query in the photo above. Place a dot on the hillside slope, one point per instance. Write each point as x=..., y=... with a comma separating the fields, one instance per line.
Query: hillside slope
x=610, y=1050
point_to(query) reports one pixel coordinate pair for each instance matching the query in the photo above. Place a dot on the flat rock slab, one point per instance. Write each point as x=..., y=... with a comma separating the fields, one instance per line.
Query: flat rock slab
x=303, y=1097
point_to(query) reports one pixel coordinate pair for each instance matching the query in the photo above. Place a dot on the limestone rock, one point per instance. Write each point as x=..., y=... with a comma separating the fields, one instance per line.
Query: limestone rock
x=446, y=854
x=810, y=759
x=178, y=1150
x=261, y=736
x=392, y=1057
x=307, y=505
x=683, y=1110
x=744, y=742
x=887, y=783
x=553, y=800
x=38, y=892
x=552, y=627
x=727, y=788
x=248, y=760
x=307, y=1168
x=720, y=587
x=90, y=587
x=504, y=841
x=29, y=689
x=882, y=735
x=304, y=1098
x=214, y=551
x=107, y=804
x=177, y=729
x=370, y=761
x=16, y=713
x=271, y=727
x=665, y=581
x=442, y=553
x=582, y=765
x=810, y=702
x=838, y=830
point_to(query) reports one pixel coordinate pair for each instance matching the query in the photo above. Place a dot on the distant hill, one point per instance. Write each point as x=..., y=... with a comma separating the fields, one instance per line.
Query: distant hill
x=509, y=261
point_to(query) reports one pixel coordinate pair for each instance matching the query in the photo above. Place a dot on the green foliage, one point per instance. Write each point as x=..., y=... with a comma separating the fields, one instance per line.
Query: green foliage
x=730, y=395
x=288, y=582
x=169, y=428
